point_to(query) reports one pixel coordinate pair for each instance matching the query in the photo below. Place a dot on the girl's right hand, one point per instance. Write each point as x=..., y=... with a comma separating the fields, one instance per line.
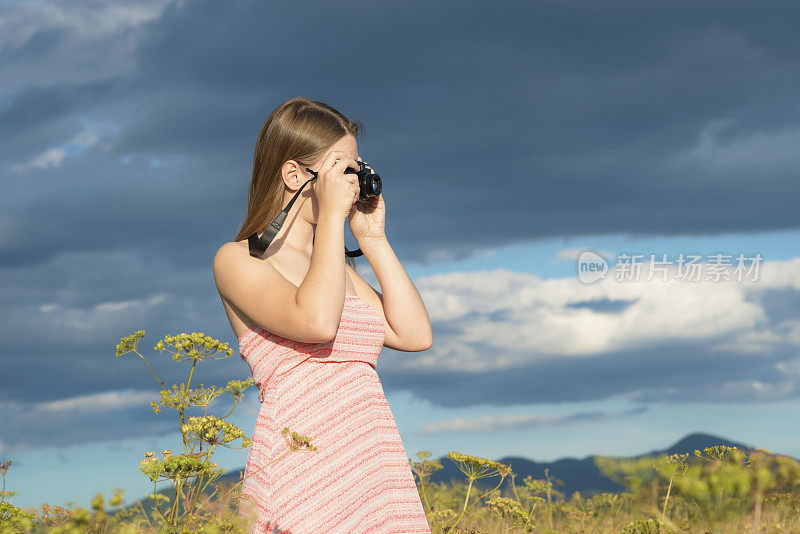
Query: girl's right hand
x=336, y=192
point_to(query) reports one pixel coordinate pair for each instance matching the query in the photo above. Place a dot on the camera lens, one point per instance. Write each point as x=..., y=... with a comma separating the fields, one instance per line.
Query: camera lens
x=375, y=185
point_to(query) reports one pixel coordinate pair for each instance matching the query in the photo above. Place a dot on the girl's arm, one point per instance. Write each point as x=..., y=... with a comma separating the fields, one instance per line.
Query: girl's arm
x=405, y=319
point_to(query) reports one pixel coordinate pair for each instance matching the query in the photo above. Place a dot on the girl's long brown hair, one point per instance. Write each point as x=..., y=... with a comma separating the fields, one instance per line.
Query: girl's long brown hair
x=299, y=129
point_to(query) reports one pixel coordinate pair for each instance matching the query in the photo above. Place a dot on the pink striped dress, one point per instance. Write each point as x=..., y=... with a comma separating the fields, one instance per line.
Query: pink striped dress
x=359, y=479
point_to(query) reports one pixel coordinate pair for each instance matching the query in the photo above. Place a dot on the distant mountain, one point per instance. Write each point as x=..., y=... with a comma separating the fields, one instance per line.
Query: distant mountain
x=577, y=474
x=698, y=441
x=580, y=474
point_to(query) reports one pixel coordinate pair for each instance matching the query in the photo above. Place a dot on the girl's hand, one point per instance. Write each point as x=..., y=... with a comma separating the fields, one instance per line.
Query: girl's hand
x=368, y=219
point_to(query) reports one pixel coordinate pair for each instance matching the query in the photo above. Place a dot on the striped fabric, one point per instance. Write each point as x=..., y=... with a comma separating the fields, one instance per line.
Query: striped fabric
x=358, y=480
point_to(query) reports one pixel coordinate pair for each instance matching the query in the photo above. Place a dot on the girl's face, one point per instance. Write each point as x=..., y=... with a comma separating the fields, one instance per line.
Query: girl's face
x=294, y=176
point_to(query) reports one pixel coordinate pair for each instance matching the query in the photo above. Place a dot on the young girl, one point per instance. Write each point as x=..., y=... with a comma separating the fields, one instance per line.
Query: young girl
x=311, y=330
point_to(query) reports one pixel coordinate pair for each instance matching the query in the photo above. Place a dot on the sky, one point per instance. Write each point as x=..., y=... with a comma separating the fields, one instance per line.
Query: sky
x=520, y=144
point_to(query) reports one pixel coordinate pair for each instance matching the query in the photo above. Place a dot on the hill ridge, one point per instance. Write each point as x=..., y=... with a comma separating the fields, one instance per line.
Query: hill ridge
x=577, y=474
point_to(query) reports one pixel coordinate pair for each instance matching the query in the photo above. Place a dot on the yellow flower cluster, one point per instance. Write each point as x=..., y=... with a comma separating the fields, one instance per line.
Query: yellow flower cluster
x=536, y=486
x=4, y=466
x=182, y=397
x=148, y=460
x=212, y=429
x=177, y=467
x=196, y=346
x=297, y=441
x=425, y=467
x=717, y=452
x=506, y=508
x=128, y=344
x=236, y=387
x=476, y=467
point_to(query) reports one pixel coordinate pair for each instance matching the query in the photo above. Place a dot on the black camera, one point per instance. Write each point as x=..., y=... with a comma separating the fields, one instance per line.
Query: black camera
x=369, y=185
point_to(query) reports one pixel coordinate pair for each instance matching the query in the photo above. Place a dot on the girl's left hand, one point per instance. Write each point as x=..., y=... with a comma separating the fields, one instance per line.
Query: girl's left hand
x=368, y=219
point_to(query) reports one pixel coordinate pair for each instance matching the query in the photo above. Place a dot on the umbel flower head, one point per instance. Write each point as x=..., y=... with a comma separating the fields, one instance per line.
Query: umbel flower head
x=507, y=508
x=425, y=467
x=180, y=397
x=475, y=467
x=4, y=466
x=195, y=346
x=719, y=452
x=236, y=387
x=128, y=344
x=672, y=465
x=537, y=486
x=214, y=430
x=178, y=468
x=297, y=441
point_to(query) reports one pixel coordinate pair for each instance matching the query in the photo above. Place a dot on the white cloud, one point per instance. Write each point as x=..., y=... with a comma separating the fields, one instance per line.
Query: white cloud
x=493, y=320
x=98, y=402
x=773, y=148
x=752, y=390
x=571, y=254
x=70, y=421
x=94, y=39
x=53, y=157
x=86, y=20
x=102, y=315
x=498, y=423
x=757, y=341
x=47, y=159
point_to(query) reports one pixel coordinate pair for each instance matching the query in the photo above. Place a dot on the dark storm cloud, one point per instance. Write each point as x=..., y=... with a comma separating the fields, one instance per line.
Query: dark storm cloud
x=490, y=424
x=603, y=305
x=36, y=110
x=99, y=417
x=674, y=372
x=575, y=109
x=490, y=124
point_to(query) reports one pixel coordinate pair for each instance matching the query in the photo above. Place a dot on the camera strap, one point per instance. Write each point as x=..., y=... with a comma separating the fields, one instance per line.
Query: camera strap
x=258, y=244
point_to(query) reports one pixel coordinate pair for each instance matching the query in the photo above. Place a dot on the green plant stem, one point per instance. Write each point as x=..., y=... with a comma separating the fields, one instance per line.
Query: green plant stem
x=191, y=372
x=514, y=487
x=194, y=497
x=145, y=514
x=549, y=502
x=178, y=492
x=487, y=493
x=235, y=402
x=180, y=425
x=424, y=495
x=757, y=511
x=466, y=500
x=151, y=370
x=172, y=508
x=425, y=498
x=155, y=502
x=664, y=511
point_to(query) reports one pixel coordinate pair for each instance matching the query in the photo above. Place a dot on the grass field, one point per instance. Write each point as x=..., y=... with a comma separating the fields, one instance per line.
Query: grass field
x=717, y=490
